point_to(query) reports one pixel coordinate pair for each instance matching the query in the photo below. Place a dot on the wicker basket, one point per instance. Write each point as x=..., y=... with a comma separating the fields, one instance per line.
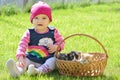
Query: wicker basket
x=94, y=68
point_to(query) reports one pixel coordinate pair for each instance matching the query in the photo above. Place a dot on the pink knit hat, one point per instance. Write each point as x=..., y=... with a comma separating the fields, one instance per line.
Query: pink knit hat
x=40, y=8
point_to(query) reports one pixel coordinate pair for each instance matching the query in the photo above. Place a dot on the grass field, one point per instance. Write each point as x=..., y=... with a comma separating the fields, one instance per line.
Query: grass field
x=100, y=21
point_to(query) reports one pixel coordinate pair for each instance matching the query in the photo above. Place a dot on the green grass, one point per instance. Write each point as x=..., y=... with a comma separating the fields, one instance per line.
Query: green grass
x=100, y=21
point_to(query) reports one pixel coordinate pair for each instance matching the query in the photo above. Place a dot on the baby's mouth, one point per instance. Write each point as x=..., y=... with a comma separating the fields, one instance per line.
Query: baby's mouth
x=40, y=25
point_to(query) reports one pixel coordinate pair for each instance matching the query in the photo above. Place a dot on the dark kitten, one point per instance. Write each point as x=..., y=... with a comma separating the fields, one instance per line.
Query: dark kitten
x=62, y=56
x=73, y=55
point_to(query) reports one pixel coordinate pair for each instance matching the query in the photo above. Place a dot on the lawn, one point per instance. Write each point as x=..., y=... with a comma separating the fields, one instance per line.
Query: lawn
x=100, y=21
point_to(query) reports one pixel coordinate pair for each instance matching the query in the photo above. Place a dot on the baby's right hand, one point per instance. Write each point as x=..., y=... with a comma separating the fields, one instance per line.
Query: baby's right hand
x=21, y=62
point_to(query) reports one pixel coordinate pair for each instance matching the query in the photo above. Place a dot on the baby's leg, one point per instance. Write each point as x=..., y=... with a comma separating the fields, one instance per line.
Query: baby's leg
x=14, y=70
x=48, y=66
x=29, y=62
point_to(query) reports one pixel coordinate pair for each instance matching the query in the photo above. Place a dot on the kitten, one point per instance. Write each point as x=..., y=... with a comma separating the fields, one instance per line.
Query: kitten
x=85, y=58
x=62, y=56
x=73, y=55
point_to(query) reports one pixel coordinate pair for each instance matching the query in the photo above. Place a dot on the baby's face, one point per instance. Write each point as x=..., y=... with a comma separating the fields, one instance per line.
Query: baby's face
x=41, y=22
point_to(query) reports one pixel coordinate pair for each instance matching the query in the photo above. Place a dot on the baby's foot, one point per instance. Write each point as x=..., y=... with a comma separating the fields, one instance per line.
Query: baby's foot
x=12, y=68
x=32, y=70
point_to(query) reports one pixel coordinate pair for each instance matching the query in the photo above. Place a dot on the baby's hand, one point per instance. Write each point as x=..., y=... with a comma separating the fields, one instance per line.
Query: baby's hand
x=52, y=48
x=21, y=62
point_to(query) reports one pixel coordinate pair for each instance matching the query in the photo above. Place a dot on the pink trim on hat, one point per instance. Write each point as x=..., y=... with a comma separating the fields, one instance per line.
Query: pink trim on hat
x=40, y=8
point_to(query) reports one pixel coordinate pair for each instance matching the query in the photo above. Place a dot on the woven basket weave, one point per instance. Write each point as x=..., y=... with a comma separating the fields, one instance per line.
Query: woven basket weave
x=94, y=68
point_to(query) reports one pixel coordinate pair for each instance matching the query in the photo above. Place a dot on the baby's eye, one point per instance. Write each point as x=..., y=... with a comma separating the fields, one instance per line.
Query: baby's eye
x=44, y=18
x=36, y=17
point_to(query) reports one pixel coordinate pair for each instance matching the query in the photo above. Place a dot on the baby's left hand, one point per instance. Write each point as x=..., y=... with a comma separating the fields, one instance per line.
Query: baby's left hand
x=52, y=48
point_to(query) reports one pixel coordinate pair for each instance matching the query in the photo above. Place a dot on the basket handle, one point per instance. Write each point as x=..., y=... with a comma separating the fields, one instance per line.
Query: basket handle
x=80, y=35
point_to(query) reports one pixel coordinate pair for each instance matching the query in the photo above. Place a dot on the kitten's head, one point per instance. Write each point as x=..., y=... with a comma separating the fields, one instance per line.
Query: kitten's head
x=62, y=56
x=85, y=58
x=73, y=55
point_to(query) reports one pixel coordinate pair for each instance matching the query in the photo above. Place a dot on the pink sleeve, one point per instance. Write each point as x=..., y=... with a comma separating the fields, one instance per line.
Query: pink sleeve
x=23, y=44
x=58, y=39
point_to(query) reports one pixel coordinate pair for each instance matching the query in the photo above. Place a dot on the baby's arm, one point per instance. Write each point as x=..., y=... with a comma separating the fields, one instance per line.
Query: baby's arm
x=21, y=62
x=21, y=51
x=58, y=38
x=52, y=48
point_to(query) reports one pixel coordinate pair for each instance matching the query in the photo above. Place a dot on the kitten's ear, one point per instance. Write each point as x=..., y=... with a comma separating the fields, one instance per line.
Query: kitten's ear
x=76, y=56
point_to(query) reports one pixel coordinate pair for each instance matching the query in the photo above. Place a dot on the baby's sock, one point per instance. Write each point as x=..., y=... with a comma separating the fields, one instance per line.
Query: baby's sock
x=13, y=69
x=32, y=70
x=48, y=66
x=44, y=69
x=41, y=70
